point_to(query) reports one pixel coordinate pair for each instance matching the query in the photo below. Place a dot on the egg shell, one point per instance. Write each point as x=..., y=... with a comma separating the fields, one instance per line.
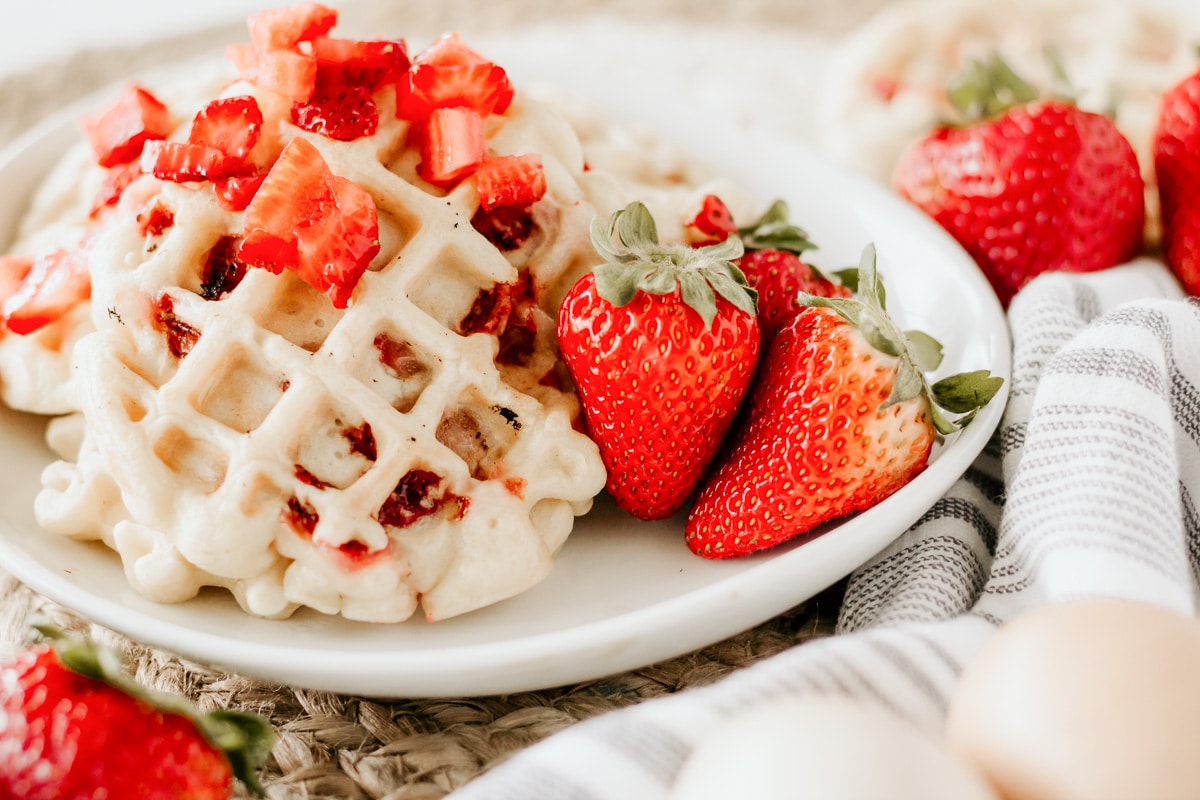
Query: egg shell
x=833, y=748
x=1086, y=700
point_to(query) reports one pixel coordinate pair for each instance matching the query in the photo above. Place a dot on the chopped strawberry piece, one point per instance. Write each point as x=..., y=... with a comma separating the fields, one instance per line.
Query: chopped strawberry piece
x=453, y=145
x=448, y=73
x=232, y=125
x=113, y=186
x=510, y=181
x=287, y=72
x=282, y=28
x=235, y=192
x=118, y=134
x=322, y=226
x=713, y=222
x=350, y=62
x=345, y=114
x=13, y=270
x=55, y=283
x=181, y=162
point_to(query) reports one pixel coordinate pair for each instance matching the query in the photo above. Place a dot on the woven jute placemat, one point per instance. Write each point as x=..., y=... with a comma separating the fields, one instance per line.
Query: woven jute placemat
x=343, y=746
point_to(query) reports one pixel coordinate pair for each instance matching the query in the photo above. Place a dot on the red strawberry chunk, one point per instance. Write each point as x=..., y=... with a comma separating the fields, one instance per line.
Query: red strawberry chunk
x=448, y=73
x=235, y=192
x=322, y=226
x=55, y=283
x=232, y=125
x=453, y=146
x=290, y=73
x=344, y=114
x=180, y=162
x=350, y=62
x=118, y=134
x=713, y=222
x=510, y=181
x=113, y=186
x=283, y=28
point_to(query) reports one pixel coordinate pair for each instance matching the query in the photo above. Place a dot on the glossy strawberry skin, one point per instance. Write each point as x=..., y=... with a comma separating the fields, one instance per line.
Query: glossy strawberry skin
x=64, y=736
x=304, y=218
x=1043, y=187
x=118, y=134
x=1176, y=152
x=815, y=445
x=52, y=284
x=659, y=390
x=778, y=276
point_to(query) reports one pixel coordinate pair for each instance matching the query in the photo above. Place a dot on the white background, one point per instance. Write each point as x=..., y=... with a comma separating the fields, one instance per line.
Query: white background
x=40, y=31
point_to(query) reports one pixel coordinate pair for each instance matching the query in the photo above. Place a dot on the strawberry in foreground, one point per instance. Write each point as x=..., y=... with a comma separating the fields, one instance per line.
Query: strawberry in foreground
x=73, y=725
x=1176, y=150
x=1027, y=185
x=661, y=341
x=841, y=417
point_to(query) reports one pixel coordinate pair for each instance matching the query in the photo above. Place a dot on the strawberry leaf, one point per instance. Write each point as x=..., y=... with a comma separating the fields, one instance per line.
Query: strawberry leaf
x=966, y=391
x=925, y=349
x=773, y=231
x=634, y=260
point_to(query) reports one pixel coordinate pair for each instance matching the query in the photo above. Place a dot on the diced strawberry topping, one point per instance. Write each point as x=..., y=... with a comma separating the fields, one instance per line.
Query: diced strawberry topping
x=288, y=72
x=350, y=62
x=13, y=270
x=113, y=186
x=223, y=134
x=118, y=134
x=510, y=181
x=53, y=285
x=235, y=192
x=344, y=114
x=181, y=162
x=448, y=73
x=232, y=125
x=453, y=145
x=713, y=222
x=320, y=225
x=282, y=28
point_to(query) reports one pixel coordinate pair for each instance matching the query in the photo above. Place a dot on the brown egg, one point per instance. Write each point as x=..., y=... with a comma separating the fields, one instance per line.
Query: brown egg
x=1088, y=700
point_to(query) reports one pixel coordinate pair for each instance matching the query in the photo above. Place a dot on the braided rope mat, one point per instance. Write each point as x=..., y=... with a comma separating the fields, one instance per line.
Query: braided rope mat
x=339, y=746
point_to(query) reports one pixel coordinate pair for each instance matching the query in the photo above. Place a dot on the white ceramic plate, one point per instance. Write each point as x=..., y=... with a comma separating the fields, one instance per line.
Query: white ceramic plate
x=622, y=594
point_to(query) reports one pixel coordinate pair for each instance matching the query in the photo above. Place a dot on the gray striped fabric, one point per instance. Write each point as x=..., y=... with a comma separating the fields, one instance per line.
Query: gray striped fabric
x=1087, y=489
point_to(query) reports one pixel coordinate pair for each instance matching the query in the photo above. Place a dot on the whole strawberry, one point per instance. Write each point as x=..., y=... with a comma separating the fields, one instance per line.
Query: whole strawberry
x=73, y=726
x=661, y=341
x=1176, y=150
x=840, y=418
x=1027, y=185
x=773, y=267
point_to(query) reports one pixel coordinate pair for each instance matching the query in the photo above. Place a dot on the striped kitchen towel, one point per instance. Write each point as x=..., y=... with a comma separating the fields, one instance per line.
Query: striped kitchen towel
x=1088, y=488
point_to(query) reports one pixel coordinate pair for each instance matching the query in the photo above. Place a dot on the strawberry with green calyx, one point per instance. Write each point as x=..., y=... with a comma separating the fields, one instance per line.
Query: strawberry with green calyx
x=841, y=417
x=74, y=726
x=1027, y=185
x=774, y=268
x=661, y=341
x=1176, y=151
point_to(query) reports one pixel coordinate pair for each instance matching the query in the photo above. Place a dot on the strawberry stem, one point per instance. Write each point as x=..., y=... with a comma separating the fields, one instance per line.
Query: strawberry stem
x=635, y=260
